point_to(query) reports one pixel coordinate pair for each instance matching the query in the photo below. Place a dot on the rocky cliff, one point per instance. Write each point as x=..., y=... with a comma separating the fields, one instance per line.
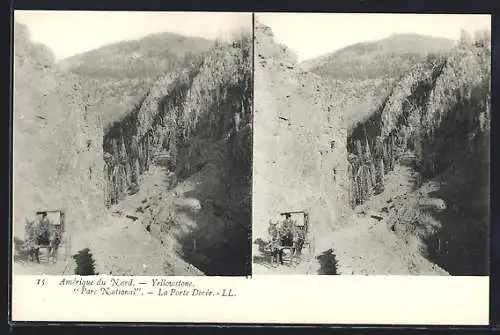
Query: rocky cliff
x=438, y=109
x=181, y=117
x=365, y=72
x=172, y=176
x=123, y=72
x=300, y=136
x=440, y=113
x=57, y=140
x=196, y=120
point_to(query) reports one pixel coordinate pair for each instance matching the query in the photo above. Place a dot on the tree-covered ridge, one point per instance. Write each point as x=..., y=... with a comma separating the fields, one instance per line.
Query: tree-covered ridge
x=144, y=57
x=183, y=114
x=120, y=74
x=435, y=121
x=363, y=74
x=386, y=58
x=435, y=110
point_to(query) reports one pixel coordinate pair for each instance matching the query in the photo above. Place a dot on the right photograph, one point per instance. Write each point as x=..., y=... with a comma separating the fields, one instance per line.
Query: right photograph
x=371, y=144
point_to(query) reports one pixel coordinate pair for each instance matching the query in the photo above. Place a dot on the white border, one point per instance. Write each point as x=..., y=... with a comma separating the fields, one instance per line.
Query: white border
x=409, y=300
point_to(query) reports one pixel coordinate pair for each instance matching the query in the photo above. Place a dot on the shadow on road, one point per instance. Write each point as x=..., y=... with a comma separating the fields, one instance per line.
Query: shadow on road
x=328, y=263
x=85, y=264
x=217, y=244
x=460, y=246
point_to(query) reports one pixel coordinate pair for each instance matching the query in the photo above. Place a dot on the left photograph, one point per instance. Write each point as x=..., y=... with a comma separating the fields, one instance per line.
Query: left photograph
x=132, y=143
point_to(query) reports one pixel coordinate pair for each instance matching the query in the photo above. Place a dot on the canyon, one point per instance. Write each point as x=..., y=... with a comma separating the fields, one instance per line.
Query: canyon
x=176, y=167
x=400, y=161
x=171, y=176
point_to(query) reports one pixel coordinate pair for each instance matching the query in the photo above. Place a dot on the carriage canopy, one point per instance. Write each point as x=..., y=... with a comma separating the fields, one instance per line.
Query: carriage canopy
x=301, y=218
x=56, y=218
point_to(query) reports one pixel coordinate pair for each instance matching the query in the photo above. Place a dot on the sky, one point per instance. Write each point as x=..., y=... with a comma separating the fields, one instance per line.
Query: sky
x=71, y=32
x=313, y=34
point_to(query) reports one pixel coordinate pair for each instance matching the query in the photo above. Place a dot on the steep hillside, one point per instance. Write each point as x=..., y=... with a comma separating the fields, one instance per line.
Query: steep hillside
x=149, y=56
x=196, y=124
x=367, y=71
x=170, y=177
x=439, y=113
x=299, y=141
x=404, y=170
x=386, y=58
x=57, y=140
x=358, y=98
x=123, y=72
x=300, y=163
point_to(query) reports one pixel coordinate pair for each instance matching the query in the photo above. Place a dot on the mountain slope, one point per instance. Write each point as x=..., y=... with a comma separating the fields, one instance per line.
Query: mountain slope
x=365, y=72
x=440, y=114
x=386, y=58
x=187, y=215
x=194, y=127
x=149, y=56
x=121, y=73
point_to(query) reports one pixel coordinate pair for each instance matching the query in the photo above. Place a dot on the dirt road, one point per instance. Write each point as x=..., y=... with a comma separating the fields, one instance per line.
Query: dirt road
x=125, y=241
x=366, y=245
x=130, y=241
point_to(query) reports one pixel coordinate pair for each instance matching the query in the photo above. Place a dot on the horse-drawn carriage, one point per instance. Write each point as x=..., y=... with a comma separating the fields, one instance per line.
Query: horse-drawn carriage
x=297, y=244
x=46, y=232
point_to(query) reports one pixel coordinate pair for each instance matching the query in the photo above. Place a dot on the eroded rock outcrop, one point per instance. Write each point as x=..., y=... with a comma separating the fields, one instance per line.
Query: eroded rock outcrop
x=57, y=140
x=197, y=124
x=438, y=114
x=438, y=110
x=181, y=117
x=300, y=138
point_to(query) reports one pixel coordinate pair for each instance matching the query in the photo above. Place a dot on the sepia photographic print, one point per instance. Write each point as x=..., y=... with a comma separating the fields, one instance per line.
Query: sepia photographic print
x=371, y=144
x=183, y=167
x=132, y=143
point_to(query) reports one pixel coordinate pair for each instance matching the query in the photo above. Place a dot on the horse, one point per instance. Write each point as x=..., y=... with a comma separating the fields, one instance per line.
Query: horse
x=54, y=242
x=33, y=250
x=298, y=242
x=276, y=251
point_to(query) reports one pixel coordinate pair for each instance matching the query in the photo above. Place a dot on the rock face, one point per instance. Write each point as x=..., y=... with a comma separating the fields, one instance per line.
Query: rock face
x=123, y=72
x=181, y=118
x=57, y=140
x=439, y=110
x=194, y=124
x=197, y=124
x=299, y=149
x=363, y=74
x=440, y=114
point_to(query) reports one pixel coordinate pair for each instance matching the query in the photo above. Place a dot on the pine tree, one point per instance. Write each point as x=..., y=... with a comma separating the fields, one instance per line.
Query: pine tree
x=107, y=185
x=465, y=38
x=391, y=152
x=371, y=168
x=352, y=186
x=385, y=156
x=359, y=149
x=364, y=183
x=379, y=160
